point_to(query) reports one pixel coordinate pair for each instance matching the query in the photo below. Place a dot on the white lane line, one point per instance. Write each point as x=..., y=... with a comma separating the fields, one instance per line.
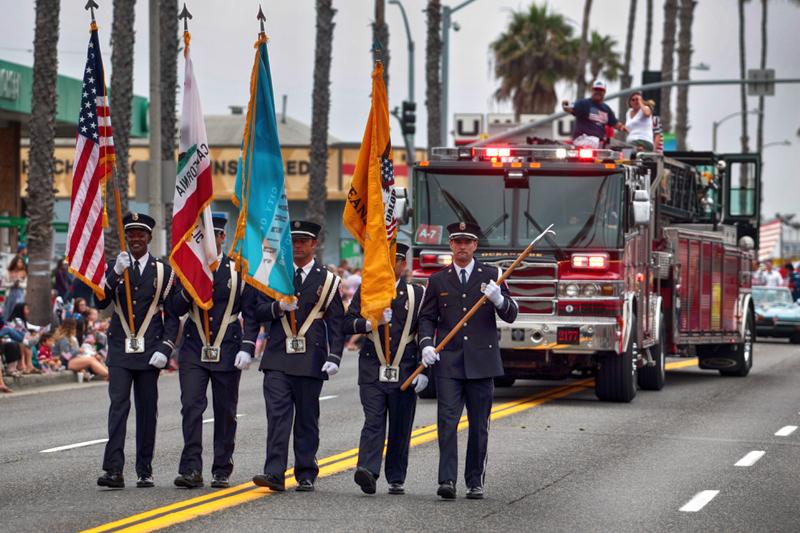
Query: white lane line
x=323, y=398
x=785, y=431
x=751, y=458
x=71, y=446
x=209, y=420
x=699, y=501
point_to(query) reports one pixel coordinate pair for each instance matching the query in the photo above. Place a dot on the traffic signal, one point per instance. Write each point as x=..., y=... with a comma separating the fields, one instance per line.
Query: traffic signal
x=409, y=118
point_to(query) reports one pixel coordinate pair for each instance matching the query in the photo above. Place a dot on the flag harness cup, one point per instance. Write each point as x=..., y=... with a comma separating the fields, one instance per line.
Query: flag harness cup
x=390, y=367
x=296, y=343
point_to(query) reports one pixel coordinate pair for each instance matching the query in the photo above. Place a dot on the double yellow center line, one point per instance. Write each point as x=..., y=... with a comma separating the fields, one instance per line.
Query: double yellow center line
x=185, y=510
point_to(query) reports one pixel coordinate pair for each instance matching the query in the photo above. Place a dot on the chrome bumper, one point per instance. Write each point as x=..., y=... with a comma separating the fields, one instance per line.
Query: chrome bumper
x=532, y=332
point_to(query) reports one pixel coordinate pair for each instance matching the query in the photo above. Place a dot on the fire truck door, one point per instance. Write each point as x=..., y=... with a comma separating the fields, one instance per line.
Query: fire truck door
x=741, y=189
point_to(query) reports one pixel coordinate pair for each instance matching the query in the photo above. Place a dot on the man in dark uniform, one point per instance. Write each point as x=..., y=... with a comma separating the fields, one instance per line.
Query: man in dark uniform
x=468, y=364
x=379, y=379
x=304, y=349
x=220, y=360
x=135, y=358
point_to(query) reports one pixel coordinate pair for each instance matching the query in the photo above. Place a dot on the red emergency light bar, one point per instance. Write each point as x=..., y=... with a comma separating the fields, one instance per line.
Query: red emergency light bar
x=498, y=152
x=598, y=261
x=511, y=154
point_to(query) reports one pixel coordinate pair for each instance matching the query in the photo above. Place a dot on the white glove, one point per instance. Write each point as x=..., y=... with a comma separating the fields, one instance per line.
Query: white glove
x=369, y=326
x=159, y=360
x=243, y=360
x=288, y=306
x=493, y=294
x=123, y=262
x=386, y=318
x=420, y=382
x=330, y=368
x=429, y=356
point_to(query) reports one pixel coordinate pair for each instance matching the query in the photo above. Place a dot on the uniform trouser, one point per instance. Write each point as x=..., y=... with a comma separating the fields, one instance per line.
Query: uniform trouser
x=194, y=400
x=145, y=396
x=292, y=407
x=452, y=395
x=380, y=401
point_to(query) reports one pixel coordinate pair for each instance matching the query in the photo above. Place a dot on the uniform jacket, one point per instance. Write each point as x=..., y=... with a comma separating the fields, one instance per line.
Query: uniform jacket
x=368, y=363
x=324, y=339
x=235, y=337
x=162, y=331
x=475, y=351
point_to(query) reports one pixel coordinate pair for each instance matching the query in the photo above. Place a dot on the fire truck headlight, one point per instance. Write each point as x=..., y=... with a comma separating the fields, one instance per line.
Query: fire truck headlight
x=572, y=291
x=590, y=289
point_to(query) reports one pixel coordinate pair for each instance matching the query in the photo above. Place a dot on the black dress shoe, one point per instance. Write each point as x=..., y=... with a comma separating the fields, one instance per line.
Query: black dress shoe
x=270, y=481
x=475, y=493
x=192, y=480
x=145, y=481
x=396, y=488
x=365, y=480
x=304, y=485
x=447, y=490
x=111, y=480
x=220, y=482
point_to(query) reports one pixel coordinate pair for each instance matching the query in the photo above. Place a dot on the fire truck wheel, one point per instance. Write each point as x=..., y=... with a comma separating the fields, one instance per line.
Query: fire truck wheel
x=616, y=373
x=653, y=377
x=504, y=381
x=429, y=392
x=742, y=354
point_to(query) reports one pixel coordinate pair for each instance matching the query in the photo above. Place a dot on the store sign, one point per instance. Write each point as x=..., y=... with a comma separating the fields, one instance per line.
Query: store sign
x=10, y=82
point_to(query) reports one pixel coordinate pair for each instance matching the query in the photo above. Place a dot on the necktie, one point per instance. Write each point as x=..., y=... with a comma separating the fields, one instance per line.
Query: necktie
x=298, y=279
x=137, y=273
x=463, y=276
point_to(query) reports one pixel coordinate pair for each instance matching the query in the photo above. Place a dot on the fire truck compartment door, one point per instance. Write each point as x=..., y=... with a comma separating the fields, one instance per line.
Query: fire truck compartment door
x=741, y=189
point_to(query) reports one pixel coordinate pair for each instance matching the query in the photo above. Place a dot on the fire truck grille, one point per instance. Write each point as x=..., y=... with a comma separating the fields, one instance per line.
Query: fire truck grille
x=533, y=287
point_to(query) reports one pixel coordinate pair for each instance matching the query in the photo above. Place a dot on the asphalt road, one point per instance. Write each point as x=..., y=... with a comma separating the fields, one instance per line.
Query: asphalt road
x=559, y=460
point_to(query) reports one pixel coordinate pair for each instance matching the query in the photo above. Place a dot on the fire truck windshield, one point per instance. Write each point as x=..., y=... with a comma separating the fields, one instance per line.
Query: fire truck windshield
x=586, y=210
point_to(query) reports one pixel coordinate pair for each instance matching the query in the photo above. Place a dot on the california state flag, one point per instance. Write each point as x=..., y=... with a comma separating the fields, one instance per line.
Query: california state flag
x=194, y=252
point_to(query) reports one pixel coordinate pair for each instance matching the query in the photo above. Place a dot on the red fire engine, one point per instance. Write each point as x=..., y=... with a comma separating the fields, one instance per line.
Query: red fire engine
x=651, y=258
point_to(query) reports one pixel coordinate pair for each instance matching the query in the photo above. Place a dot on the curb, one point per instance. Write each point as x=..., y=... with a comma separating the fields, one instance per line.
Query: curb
x=30, y=381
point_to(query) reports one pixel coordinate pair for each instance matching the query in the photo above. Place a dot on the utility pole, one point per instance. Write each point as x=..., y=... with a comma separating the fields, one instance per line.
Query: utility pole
x=155, y=201
x=447, y=13
x=408, y=137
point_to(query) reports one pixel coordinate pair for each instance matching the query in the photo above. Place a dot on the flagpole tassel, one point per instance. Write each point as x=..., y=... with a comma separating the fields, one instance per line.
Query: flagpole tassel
x=186, y=39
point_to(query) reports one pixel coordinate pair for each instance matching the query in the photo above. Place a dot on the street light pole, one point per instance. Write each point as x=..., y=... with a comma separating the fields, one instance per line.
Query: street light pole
x=785, y=142
x=408, y=138
x=716, y=124
x=447, y=13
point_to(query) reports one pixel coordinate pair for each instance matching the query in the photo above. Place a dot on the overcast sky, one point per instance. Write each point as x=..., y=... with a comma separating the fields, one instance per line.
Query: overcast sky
x=223, y=32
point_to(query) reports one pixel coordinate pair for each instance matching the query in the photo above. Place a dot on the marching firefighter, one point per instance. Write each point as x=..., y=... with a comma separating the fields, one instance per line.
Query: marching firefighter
x=304, y=349
x=219, y=359
x=136, y=356
x=467, y=365
x=379, y=377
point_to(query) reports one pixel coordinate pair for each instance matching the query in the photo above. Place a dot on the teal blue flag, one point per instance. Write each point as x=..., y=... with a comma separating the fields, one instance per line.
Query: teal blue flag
x=262, y=244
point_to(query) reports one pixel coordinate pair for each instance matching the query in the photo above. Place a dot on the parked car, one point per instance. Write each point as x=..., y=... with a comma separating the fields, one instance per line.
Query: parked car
x=777, y=314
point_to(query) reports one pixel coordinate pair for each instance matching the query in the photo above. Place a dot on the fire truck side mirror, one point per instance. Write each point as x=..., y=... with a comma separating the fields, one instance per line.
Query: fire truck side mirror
x=641, y=207
x=402, y=208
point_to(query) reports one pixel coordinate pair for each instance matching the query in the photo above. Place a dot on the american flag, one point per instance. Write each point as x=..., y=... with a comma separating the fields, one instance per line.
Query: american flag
x=389, y=199
x=94, y=162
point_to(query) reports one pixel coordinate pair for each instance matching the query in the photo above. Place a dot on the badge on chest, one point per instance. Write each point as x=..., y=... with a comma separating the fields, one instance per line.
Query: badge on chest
x=134, y=344
x=295, y=345
x=389, y=374
x=209, y=354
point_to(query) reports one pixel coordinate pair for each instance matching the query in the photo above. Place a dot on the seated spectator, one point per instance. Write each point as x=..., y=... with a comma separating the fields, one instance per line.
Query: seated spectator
x=47, y=362
x=591, y=117
x=19, y=319
x=67, y=348
x=3, y=386
x=639, y=123
x=11, y=338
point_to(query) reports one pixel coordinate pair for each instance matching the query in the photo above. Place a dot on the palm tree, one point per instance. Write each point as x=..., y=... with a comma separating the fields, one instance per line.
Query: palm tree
x=169, y=81
x=648, y=34
x=668, y=60
x=684, y=61
x=433, y=82
x=40, y=181
x=121, y=101
x=627, y=79
x=603, y=58
x=380, y=33
x=320, y=111
x=534, y=53
x=742, y=88
x=583, y=50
